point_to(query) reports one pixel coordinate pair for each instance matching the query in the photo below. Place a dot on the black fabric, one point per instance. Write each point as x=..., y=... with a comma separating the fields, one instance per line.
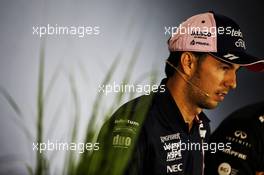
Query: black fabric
x=152, y=151
x=227, y=39
x=244, y=129
x=231, y=41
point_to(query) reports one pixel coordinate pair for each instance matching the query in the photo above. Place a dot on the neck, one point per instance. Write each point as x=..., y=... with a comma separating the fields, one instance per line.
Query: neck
x=178, y=89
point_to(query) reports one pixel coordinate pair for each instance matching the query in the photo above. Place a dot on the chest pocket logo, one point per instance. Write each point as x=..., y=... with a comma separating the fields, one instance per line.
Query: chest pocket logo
x=240, y=134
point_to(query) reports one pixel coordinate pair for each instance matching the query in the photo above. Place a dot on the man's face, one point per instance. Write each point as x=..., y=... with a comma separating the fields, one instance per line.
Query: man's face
x=214, y=78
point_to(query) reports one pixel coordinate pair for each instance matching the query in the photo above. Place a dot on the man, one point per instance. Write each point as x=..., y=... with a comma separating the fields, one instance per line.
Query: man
x=244, y=130
x=154, y=134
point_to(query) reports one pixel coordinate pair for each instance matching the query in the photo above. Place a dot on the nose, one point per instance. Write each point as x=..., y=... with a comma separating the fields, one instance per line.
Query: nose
x=230, y=81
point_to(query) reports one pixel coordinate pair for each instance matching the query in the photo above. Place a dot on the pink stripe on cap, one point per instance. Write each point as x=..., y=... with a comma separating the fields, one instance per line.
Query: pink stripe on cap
x=185, y=40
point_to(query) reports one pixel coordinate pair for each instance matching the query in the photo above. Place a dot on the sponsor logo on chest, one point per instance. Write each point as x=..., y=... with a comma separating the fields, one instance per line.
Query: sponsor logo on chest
x=171, y=145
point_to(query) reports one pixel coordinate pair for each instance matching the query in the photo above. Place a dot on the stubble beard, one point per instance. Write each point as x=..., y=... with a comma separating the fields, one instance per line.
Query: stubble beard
x=197, y=94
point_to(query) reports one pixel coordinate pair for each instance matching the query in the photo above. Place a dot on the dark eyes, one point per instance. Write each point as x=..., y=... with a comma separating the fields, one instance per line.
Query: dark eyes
x=225, y=68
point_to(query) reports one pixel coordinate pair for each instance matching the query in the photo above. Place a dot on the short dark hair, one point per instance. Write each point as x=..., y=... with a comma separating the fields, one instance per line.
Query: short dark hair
x=174, y=58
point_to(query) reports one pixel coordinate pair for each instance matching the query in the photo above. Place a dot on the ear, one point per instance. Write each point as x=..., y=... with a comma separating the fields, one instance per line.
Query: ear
x=188, y=62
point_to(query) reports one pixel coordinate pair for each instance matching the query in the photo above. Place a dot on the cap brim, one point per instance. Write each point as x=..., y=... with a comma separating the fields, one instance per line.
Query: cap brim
x=243, y=59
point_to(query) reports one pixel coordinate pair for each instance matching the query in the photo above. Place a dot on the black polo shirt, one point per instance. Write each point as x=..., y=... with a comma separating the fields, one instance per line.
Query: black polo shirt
x=244, y=130
x=148, y=135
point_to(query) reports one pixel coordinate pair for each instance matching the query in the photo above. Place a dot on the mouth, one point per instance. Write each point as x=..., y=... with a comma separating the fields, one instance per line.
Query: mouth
x=220, y=96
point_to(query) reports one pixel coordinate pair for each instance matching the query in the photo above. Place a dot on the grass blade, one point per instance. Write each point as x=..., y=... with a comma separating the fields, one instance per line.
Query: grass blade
x=50, y=86
x=11, y=102
x=84, y=161
x=71, y=161
x=126, y=78
x=40, y=164
x=19, y=113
